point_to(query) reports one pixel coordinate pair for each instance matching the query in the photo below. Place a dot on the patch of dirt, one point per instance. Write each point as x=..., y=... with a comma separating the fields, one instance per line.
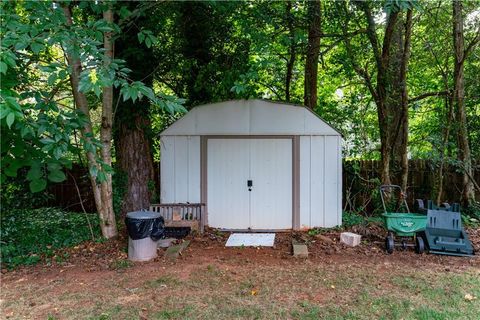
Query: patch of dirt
x=102, y=268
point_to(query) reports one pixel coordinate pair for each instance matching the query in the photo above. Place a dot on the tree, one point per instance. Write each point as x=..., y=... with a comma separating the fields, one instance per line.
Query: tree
x=83, y=33
x=460, y=54
x=132, y=122
x=314, y=11
x=390, y=89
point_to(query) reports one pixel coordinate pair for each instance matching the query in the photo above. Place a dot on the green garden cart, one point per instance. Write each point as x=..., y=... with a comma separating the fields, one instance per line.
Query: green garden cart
x=400, y=222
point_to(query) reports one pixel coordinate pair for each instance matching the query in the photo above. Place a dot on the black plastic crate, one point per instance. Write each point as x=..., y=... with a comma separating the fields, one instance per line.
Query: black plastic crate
x=176, y=232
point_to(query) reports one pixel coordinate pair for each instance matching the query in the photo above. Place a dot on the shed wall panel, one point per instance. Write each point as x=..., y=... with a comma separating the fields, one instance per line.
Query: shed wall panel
x=305, y=181
x=317, y=181
x=167, y=169
x=180, y=169
x=331, y=181
x=194, y=169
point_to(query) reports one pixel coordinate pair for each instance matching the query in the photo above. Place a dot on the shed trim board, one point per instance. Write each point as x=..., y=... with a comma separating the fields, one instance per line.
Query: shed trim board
x=295, y=175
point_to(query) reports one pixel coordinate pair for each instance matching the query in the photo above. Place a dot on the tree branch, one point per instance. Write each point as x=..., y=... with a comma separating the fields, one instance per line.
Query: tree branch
x=471, y=45
x=429, y=94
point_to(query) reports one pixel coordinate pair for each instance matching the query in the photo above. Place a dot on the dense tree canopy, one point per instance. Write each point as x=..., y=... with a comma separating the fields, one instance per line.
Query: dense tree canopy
x=398, y=78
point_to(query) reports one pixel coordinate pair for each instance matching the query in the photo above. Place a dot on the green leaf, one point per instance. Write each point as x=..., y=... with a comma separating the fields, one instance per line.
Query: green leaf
x=148, y=42
x=93, y=171
x=47, y=141
x=3, y=67
x=35, y=172
x=54, y=166
x=36, y=47
x=57, y=153
x=51, y=79
x=141, y=36
x=12, y=169
x=56, y=176
x=38, y=185
x=101, y=176
x=4, y=112
x=10, y=119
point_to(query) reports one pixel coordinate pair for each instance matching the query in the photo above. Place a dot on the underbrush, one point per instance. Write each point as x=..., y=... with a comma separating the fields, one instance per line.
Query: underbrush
x=28, y=235
x=350, y=219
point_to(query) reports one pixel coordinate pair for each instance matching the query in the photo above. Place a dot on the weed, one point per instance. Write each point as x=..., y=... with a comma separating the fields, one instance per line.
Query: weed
x=121, y=264
x=162, y=282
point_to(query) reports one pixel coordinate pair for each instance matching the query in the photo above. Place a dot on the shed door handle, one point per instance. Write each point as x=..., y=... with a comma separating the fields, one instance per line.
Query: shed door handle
x=249, y=185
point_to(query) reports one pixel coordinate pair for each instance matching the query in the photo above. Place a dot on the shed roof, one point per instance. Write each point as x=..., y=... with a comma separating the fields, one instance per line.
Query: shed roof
x=250, y=117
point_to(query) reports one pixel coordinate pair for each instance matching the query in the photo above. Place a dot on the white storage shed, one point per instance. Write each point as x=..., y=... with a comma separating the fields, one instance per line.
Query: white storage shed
x=255, y=165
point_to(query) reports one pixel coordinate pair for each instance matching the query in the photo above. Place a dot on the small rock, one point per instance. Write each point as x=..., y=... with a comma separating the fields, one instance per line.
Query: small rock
x=300, y=250
x=324, y=238
x=350, y=239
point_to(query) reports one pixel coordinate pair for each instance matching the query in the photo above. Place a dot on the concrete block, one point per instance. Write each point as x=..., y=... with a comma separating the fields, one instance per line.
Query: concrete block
x=300, y=250
x=165, y=243
x=174, y=252
x=350, y=239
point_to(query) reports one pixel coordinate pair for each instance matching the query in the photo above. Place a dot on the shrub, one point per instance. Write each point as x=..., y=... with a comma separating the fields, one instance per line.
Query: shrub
x=350, y=219
x=30, y=234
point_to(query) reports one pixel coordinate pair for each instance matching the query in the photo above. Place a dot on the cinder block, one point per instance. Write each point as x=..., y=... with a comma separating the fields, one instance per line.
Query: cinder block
x=350, y=239
x=300, y=250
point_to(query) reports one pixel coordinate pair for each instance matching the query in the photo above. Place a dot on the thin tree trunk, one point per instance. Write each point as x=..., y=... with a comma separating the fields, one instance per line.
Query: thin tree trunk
x=313, y=52
x=110, y=227
x=292, y=51
x=102, y=201
x=446, y=137
x=403, y=123
x=459, y=98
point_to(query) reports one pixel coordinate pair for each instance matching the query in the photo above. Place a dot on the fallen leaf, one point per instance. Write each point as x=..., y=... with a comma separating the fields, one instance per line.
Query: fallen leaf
x=253, y=292
x=470, y=297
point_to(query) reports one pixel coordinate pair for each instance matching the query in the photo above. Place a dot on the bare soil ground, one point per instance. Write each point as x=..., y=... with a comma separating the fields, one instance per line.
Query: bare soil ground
x=209, y=281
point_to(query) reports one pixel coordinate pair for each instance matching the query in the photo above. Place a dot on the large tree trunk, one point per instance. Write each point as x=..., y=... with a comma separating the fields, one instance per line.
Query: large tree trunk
x=132, y=124
x=135, y=159
x=292, y=50
x=313, y=51
x=102, y=192
x=459, y=99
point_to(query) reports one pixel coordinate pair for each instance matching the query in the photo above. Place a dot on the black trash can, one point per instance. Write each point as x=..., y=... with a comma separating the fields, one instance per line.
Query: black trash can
x=144, y=228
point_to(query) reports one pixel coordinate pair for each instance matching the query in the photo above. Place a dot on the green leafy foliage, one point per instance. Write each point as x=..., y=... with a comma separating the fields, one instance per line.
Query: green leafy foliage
x=350, y=219
x=39, y=125
x=30, y=235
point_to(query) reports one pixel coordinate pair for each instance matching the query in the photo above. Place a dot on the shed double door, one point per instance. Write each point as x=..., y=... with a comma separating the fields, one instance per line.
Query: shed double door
x=249, y=183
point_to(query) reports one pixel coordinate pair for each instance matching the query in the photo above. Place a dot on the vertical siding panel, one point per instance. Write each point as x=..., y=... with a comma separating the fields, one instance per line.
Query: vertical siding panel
x=339, y=180
x=167, y=169
x=181, y=169
x=305, y=144
x=331, y=181
x=193, y=169
x=317, y=183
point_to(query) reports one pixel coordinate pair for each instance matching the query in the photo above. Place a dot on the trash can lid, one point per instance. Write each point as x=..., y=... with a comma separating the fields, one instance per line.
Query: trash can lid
x=143, y=215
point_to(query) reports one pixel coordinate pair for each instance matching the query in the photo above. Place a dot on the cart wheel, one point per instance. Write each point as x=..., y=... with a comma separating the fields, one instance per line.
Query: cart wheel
x=389, y=244
x=419, y=245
